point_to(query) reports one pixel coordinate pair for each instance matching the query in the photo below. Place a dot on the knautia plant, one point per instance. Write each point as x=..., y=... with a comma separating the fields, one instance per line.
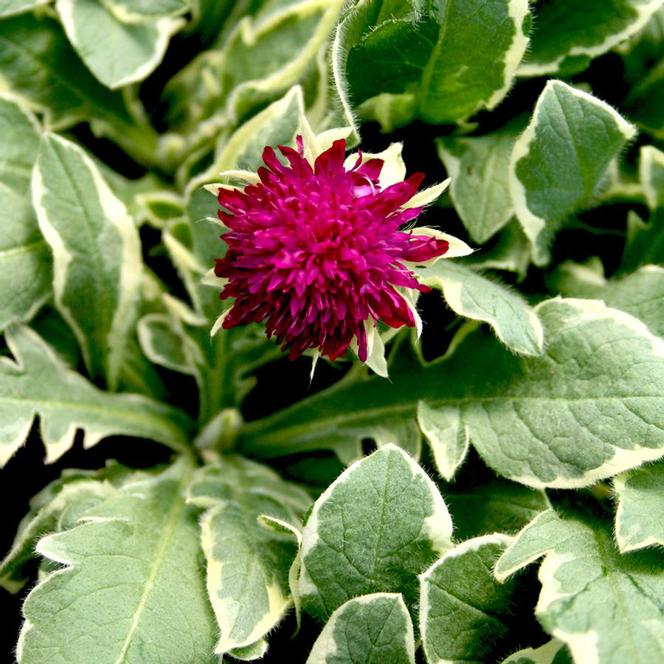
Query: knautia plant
x=361, y=304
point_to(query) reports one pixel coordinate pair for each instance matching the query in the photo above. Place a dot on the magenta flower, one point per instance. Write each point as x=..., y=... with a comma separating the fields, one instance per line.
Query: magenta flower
x=319, y=247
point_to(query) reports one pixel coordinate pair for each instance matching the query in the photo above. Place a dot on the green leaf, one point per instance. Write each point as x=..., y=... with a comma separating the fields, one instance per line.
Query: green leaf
x=479, y=168
x=247, y=564
x=640, y=294
x=553, y=652
x=424, y=67
x=116, y=53
x=39, y=66
x=559, y=160
x=372, y=629
x=130, y=587
x=375, y=528
x=25, y=261
x=464, y=612
x=605, y=606
x=39, y=383
x=96, y=253
x=568, y=35
x=473, y=296
x=640, y=514
x=651, y=174
x=12, y=7
x=590, y=407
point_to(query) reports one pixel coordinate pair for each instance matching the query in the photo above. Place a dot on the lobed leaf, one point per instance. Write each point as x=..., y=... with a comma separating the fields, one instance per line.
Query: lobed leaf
x=37, y=382
x=605, y=606
x=129, y=587
x=247, y=564
x=588, y=408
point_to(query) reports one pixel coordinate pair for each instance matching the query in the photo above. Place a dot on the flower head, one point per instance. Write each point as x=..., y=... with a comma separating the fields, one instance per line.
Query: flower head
x=319, y=247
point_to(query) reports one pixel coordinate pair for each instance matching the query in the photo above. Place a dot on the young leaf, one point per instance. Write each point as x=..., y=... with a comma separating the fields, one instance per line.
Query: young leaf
x=605, y=606
x=645, y=100
x=39, y=383
x=372, y=629
x=640, y=513
x=553, y=652
x=427, y=71
x=473, y=296
x=247, y=564
x=560, y=159
x=130, y=587
x=464, y=612
x=25, y=261
x=117, y=53
x=39, y=66
x=479, y=168
x=567, y=35
x=590, y=407
x=96, y=253
x=375, y=528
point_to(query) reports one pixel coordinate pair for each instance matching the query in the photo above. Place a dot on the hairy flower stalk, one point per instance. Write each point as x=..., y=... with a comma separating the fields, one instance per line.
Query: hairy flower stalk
x=319, y=247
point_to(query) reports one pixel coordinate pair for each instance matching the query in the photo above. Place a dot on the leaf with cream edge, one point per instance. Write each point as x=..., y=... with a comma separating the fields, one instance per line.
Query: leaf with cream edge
x=437, y=81
x=137, y=555
x=606, y=606
x=25, y=260
x=37, y=382
x=371, y=629
x=116, y=53
x=97, y=261
x=41, y=68
x=12, y=7
x=473, y=296
x=139, y=11
x=247, y=564
x=560, y=159
x=465, y=614
x=568, y=35
x=54, y=504
x=651, y=174
x=640, y=294
x=590, y=407
x=553, y=652
x=479, y=168
x=374, y=529
x=640, y=512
